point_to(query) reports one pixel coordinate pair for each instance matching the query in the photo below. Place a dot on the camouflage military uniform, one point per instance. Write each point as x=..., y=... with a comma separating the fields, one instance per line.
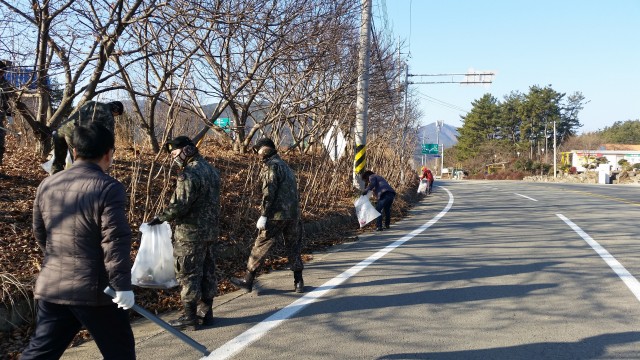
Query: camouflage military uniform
x=195, y=207
x=89, y=112
x=280, y=204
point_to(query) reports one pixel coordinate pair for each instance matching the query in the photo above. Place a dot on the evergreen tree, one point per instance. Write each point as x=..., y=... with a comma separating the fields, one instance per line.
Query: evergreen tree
x=627, y=132
x=521, y=125
x=479, y=126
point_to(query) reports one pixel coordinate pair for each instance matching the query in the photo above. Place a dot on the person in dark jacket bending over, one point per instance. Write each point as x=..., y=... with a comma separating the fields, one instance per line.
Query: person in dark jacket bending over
x=92, y=111
x=279, y=216
x=385, y=194
x=80, y=223
x=195, y=208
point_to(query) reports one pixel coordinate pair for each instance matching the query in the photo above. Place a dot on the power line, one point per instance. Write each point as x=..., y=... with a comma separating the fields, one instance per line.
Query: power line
x=441, y=103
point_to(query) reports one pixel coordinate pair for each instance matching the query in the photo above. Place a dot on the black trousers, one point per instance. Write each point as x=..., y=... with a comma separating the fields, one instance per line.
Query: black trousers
x=57, y=325
x=384, y=208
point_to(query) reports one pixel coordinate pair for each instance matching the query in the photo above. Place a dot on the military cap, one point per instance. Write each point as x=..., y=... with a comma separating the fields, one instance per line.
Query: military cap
x=178, y=143
x=263, y=142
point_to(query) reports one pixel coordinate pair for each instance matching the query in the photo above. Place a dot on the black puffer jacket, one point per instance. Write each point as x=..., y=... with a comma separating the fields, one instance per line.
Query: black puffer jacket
x=79, y=221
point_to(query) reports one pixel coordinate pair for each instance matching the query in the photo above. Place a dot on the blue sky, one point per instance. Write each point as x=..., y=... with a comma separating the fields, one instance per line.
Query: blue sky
x=591, y=46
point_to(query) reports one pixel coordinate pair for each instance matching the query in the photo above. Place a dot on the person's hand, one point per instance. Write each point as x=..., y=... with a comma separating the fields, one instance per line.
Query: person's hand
x=154, y=221
x=364, y=193
x=124, y=299
x=262, y=223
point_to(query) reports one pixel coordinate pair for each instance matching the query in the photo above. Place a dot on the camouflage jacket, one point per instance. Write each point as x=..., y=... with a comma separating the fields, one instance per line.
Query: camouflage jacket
x=195, y=204
x=280, y=199
x=89, y=112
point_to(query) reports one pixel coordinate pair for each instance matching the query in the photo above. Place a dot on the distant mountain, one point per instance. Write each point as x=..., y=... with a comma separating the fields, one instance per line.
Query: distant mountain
x=448, y=135
x=428, y=134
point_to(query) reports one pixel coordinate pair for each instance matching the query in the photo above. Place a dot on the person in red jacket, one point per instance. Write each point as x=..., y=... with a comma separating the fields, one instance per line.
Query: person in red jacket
x=426, y=174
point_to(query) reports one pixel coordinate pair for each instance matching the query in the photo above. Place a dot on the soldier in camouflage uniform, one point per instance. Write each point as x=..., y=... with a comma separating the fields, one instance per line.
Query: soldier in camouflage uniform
x=195, y=207
x=279, y=217
x=92, y=111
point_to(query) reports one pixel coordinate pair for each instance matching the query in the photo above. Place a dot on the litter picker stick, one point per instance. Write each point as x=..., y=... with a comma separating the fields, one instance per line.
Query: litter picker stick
x=180, y=335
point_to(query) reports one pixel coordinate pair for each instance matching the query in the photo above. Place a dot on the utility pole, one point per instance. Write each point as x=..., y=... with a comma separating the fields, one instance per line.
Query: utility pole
x=362, y=100
x=555, y=159
x=439, y=124
x=442, y=162
x=404, y=119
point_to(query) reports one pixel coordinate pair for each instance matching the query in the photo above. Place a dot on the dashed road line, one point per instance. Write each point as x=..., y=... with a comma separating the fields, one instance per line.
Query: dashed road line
x=525, y=196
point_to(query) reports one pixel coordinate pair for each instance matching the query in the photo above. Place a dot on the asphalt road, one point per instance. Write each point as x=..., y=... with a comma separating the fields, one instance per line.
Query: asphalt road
x=480, y=270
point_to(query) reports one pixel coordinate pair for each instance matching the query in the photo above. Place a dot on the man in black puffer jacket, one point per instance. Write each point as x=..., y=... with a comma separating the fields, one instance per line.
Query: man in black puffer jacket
x=80, y=223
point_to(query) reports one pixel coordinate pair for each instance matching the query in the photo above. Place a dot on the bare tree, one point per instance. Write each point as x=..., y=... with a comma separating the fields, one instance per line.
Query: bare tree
x=73, y=40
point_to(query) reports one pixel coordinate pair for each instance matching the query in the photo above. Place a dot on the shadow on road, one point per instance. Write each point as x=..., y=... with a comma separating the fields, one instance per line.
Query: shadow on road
x=590, y=348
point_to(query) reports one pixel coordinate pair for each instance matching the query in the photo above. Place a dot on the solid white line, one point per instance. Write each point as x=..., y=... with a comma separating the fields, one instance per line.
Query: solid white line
x=243, y=340
x=525, y=196
x=631, y=282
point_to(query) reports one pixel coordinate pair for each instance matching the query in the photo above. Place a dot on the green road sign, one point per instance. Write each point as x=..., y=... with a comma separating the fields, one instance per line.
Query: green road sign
x=223, y=123
x=431, y=149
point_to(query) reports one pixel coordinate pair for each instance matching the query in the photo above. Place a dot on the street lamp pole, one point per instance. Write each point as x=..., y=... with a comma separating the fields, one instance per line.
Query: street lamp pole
x=439, y=124
x=442, y=162
x=555, y=158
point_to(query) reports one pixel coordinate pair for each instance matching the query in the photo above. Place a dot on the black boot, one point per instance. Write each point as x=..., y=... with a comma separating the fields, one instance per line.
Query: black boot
x=298, y=282
x=205, y=312
x=246, y=282
x=188, y=320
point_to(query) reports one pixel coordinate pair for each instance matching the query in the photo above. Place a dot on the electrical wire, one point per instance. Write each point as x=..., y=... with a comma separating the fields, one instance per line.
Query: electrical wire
x=441, y=103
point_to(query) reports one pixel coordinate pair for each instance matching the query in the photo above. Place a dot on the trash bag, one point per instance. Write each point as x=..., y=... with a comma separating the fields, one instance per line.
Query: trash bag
x=366, y=212
x=153, y=267
x=46, y=166
x=423, y=187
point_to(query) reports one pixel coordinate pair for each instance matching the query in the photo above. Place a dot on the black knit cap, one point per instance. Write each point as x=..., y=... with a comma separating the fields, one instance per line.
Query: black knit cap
x=178, y=143
x=264, y=142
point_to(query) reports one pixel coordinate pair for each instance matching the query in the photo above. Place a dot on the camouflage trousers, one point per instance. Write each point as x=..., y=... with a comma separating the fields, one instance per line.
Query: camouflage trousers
x=60, y=148
x=291, y=233
x=195, y=266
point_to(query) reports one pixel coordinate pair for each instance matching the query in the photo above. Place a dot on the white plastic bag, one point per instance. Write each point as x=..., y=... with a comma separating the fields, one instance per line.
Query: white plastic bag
x=423, y=187
x=46, y=166
x=366, y=212
x=153, y=267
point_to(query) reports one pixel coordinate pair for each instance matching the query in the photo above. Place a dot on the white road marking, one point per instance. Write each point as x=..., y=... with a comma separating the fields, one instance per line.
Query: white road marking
x=629, y=280
x=525, y=196
x=243, y=340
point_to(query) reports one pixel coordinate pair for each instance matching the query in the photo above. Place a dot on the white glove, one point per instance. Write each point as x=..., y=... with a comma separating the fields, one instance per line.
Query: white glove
x=262, y=223
x=124, y=299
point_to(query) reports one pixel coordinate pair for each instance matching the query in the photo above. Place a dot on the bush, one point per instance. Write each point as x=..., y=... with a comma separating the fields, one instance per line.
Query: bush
x=516, y=175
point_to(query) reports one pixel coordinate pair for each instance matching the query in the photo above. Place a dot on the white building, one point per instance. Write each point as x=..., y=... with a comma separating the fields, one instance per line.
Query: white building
x=582, y=158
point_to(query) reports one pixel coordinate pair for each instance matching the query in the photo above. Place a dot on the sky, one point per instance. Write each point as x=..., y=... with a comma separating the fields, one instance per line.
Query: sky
x=590, y=46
